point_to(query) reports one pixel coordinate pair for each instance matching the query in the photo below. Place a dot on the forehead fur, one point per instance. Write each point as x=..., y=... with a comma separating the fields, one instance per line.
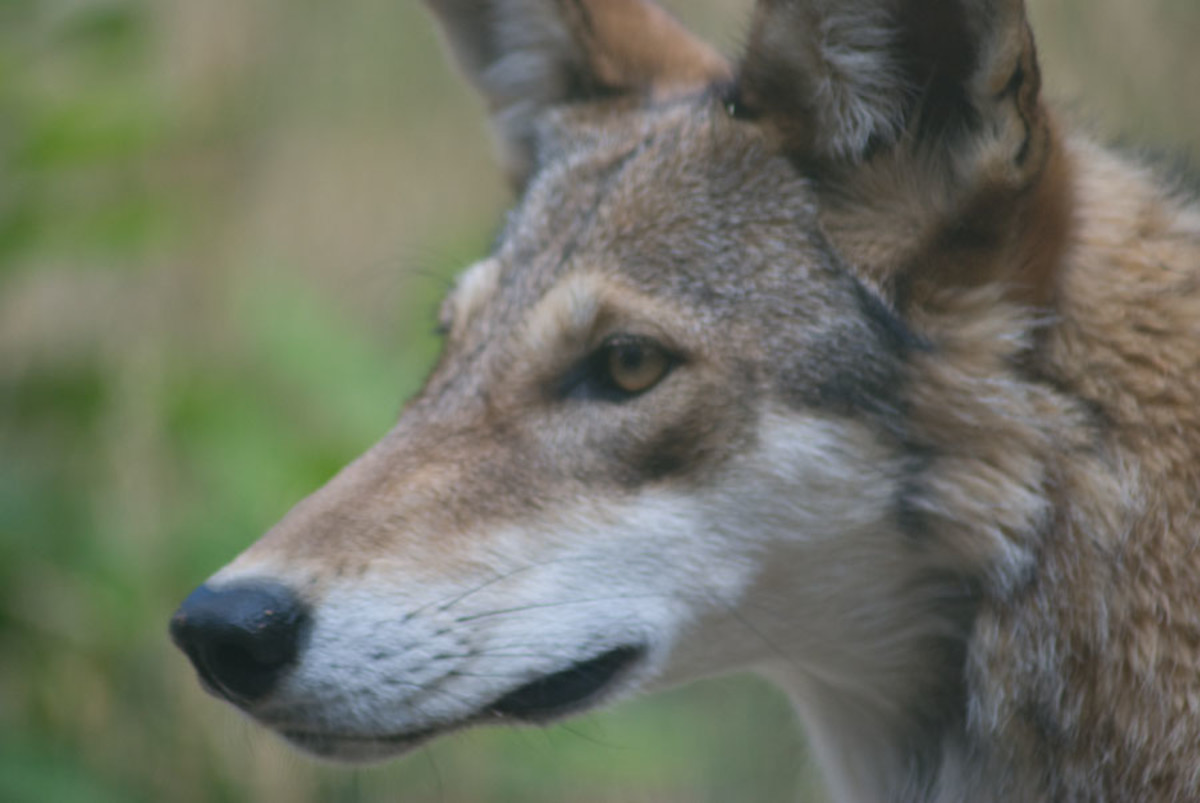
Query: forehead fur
x=678, y=199
x=698, y=214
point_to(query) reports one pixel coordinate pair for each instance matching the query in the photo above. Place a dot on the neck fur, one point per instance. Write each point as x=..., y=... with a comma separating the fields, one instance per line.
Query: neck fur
x=889, y=726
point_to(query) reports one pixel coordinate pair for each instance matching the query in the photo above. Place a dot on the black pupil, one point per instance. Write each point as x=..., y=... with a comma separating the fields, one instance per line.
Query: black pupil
x=630, y=356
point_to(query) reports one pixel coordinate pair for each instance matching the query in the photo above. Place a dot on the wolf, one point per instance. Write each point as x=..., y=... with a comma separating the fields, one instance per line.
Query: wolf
x=847, y=362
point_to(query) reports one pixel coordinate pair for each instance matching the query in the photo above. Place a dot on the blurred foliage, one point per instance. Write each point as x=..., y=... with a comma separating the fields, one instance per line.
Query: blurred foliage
x=224, y=227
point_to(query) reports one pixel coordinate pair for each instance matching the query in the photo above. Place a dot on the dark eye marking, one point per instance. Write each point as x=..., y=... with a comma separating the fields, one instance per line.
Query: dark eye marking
x=623, y=367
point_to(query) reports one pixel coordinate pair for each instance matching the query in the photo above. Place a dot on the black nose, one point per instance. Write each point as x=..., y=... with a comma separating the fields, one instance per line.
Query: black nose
x=241, y=639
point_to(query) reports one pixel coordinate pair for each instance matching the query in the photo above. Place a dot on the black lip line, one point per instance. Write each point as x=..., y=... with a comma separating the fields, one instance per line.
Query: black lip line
x=626, y=656
x=558, y=693
x=387, y=738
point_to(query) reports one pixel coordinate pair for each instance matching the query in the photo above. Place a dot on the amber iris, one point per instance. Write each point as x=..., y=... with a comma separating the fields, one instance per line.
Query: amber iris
x=636, y=365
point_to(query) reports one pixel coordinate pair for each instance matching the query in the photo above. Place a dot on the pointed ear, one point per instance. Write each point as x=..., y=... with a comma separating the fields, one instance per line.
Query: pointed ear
x=527, y=55
x=844, y=79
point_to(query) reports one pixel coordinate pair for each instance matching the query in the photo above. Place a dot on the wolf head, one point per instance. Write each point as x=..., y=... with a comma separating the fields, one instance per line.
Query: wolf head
x=734, y=389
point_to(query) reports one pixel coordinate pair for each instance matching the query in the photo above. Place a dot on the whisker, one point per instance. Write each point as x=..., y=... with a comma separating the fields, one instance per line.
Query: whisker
x=579, y=734
x=445, y=604
x=437, y=772
x=732, y=611
x=471, y=655
x=492, y=675
x=499, y=578
x=561, y=603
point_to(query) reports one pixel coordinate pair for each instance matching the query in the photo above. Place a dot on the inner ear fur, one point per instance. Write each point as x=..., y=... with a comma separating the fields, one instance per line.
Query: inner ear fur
x=525, y=56
x=922, y=122
x=845, y=79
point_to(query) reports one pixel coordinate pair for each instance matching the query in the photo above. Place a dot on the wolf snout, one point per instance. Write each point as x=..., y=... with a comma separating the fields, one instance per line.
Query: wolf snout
x=241, y=639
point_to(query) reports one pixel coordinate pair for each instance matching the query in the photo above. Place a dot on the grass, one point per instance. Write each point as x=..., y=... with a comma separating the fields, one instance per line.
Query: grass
x=224, y=227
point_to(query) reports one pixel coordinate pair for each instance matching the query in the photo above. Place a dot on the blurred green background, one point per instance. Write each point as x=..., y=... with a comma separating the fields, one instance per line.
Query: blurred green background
x=224, y=228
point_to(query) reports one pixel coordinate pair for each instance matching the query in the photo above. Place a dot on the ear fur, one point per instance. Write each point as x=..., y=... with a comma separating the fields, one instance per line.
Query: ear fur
x=525, y=56
x=844, y=79
x=922, y=122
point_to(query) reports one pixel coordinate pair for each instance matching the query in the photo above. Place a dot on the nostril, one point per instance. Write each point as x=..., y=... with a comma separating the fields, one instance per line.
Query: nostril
x=242, y=638
x=234, y=668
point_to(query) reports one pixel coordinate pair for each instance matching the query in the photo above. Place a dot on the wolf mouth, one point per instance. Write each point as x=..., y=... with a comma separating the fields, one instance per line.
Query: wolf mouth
x=566, y=690
x=541, y=700
x=355, y=747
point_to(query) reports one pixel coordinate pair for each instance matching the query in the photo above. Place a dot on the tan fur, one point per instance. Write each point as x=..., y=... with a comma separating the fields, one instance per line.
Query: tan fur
x=634, y=44
x=928, y=452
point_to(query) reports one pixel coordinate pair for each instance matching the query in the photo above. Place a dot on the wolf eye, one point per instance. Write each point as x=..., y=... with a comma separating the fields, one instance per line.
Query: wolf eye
x=635, y=365
x=623, y=367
